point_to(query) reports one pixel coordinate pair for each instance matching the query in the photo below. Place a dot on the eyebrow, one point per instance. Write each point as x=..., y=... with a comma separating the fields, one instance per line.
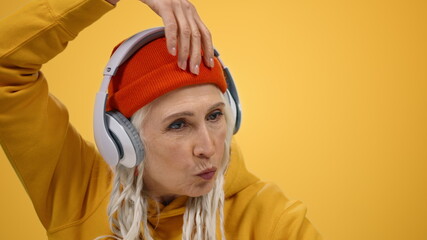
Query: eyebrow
x=190, y=114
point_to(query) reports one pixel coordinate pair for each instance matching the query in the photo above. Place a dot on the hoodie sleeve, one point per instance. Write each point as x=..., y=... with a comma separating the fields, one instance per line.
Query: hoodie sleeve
x=63, y=174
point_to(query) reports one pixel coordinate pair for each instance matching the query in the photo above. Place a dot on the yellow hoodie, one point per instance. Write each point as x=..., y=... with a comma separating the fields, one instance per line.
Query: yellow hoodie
x=64, y=175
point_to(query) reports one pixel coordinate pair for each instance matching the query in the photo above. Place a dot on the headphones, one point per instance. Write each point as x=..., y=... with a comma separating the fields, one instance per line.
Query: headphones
x=117, y=139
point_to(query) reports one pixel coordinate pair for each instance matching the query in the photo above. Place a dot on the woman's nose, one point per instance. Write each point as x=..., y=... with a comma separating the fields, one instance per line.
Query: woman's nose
x=204, y=146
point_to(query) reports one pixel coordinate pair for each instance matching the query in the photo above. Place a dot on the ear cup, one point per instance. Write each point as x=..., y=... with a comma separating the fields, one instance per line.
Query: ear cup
x=126, y=138
x=232, y=95
x=234, y=111
x=233, y=98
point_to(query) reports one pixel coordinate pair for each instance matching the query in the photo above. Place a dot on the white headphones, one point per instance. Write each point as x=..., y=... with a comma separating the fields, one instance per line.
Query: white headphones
x=117, y=139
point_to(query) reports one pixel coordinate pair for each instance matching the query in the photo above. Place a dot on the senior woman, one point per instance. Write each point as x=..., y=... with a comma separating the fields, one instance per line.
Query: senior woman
x=191, y=183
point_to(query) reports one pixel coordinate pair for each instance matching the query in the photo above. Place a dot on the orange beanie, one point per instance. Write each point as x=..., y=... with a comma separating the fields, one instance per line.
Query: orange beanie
x=150, y=73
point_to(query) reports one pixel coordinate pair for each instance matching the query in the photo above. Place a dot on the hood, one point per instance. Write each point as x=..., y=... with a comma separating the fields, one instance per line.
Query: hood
x=237, y=176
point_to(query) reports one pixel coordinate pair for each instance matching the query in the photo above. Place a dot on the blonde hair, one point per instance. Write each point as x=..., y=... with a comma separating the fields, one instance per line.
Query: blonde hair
x=127, y=209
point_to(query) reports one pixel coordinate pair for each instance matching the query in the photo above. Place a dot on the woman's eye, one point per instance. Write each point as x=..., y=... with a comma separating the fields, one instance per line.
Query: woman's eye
x=177, y=125
x=214, y=116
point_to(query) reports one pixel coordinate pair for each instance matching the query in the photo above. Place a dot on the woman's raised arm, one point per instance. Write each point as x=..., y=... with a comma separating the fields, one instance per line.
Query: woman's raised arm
x=56, y=166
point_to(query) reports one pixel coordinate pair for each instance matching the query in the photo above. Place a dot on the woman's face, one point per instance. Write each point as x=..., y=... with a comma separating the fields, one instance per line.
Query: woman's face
x=184, y=136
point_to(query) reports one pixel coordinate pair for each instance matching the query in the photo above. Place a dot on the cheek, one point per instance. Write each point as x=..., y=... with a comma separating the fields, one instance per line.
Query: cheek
x=220, y=135
x=222, y=132
x=167, y=155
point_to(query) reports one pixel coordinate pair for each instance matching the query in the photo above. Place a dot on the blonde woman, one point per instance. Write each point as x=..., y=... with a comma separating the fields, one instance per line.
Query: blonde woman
x=190, y=183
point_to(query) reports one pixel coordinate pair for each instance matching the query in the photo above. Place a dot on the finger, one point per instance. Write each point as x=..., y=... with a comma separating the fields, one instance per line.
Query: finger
x=206, y=39
x=195, y=42
x=184, y=33
x=195, y=56
x=171, y=30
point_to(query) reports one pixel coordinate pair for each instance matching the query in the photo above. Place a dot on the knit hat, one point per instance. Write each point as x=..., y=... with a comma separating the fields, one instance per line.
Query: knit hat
x=152, y=72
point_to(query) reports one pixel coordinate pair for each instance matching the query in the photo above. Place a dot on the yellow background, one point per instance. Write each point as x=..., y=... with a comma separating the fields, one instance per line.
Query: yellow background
x=334, y=95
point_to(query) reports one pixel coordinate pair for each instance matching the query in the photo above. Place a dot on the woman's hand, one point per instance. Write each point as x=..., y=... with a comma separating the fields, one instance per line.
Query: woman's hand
x=184, y=31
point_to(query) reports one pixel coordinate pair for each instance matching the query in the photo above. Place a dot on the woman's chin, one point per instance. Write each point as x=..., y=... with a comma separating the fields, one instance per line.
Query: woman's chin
x=201, y=189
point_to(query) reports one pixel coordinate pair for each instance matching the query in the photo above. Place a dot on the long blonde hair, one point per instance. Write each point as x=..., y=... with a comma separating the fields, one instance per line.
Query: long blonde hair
x=127, y=209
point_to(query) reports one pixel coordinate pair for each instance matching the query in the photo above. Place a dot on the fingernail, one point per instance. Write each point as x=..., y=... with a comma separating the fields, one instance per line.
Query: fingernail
x=173, y=51
x=182, y=65
x=196, y=69
x=211, y=62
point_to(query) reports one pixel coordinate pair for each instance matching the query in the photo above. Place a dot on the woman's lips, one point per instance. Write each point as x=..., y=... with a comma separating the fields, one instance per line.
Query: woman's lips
x=208, y=174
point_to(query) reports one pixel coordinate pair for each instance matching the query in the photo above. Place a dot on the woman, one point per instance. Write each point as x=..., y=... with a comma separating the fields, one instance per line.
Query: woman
x=186, y=130
x=177, y=191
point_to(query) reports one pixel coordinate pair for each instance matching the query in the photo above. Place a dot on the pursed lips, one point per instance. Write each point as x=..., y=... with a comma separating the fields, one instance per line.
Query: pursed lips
x=207, y=174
